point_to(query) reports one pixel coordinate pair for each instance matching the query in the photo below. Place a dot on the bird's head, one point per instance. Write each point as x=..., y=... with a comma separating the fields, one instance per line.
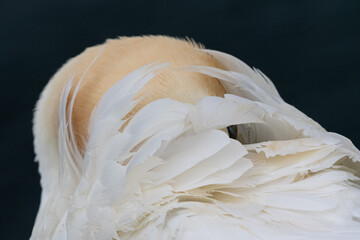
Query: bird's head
x=130, y=141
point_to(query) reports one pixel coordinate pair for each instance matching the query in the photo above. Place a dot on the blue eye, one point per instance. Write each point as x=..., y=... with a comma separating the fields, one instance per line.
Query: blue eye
x=233, y=131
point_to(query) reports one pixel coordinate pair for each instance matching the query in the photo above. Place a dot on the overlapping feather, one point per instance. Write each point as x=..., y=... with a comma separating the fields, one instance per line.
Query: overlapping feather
x=172, y=173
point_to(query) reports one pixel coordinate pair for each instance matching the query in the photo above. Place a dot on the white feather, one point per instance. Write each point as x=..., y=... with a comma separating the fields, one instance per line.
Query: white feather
x=171, y=173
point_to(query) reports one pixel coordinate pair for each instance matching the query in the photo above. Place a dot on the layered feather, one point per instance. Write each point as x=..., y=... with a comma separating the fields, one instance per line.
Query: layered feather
x=172, y=173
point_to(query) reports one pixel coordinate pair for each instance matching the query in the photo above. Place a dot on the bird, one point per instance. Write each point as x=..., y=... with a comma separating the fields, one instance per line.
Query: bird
x=157, y=137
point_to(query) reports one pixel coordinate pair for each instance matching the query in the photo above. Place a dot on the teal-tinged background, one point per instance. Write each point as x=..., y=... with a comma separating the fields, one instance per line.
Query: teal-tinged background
x=310, y=49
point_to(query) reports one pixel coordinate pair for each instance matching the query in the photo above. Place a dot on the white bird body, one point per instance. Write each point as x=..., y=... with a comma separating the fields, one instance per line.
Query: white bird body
x=171, y=172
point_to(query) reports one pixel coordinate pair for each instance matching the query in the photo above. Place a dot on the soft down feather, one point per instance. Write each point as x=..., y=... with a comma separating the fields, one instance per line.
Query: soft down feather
x=171, y=172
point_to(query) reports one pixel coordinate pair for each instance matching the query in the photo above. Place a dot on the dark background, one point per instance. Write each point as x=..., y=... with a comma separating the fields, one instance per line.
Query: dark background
x=310, y=49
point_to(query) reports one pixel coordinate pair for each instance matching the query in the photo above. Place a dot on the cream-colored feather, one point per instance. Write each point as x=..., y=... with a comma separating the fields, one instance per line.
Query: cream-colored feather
x=148, y=158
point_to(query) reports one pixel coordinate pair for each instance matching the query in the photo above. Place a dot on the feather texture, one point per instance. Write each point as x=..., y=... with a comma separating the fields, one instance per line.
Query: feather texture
x=172, y=173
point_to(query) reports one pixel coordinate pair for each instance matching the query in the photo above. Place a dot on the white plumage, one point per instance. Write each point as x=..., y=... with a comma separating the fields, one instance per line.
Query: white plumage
x=173, y=173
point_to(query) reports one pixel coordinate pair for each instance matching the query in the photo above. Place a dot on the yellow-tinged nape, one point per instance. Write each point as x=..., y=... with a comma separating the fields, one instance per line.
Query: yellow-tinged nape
x=171, y=161
x=121, y=56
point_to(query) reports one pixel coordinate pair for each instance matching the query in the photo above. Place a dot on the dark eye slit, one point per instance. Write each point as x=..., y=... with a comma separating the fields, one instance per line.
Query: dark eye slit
x=232, y=130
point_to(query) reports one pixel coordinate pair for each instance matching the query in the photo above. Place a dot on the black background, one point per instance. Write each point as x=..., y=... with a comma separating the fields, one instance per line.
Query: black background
x=310, y=49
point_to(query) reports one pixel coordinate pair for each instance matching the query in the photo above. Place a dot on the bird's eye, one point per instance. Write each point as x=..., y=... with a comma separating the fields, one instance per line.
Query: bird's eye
x=233, y=131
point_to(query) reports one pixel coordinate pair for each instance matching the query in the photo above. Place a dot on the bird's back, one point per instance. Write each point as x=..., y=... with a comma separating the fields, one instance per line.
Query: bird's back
x=131, y=147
